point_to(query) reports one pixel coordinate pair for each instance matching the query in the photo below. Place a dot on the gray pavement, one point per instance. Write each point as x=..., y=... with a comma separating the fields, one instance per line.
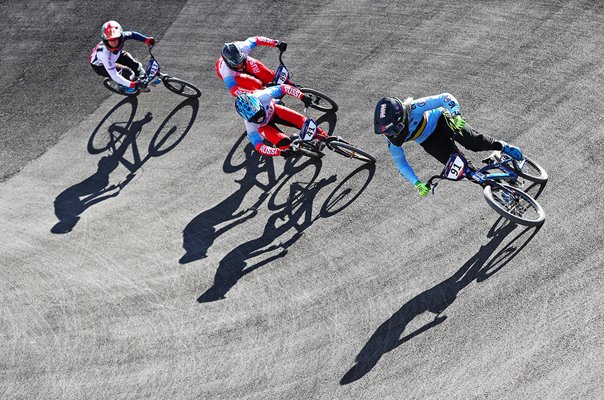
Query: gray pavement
x=175, y=263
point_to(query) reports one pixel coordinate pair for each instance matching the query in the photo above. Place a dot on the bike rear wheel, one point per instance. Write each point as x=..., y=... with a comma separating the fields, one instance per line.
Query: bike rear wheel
x=320, y=101
x=181, y=87
x=514, y=205
x=117, y=88
x=350, y=151
x=533, y=172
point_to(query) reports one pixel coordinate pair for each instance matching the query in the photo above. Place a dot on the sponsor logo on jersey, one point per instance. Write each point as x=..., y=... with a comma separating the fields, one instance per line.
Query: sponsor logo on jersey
x=255, y=68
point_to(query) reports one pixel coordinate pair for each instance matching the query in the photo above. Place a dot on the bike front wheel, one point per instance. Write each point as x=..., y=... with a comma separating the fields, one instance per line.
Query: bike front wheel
x=514, y=205
x=117, y=88
x=533, y=172
x=181, y=87
x=350, y=151
x=320, y=101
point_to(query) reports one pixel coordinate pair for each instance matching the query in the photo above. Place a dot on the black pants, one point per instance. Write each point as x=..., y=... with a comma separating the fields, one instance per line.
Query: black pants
x=125, y=64
x=441, y=142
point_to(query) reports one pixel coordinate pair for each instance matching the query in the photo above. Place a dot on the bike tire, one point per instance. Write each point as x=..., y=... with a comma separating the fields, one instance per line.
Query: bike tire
x=319, y=99
x=116, y=88
x=350, y=151
x=181, y=87
x=533, y=172
x=520, y=208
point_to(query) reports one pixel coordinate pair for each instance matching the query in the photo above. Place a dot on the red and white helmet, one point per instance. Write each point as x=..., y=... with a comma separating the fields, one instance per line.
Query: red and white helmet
x=111, y=30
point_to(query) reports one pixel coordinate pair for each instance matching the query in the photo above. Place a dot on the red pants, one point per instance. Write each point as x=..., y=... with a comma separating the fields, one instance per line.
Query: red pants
x=283, y=116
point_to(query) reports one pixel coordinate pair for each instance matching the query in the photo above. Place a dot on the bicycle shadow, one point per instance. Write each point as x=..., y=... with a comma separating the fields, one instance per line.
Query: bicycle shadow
x=479, y=267
x=294, y=215
x=201, y=233
x=120, y=137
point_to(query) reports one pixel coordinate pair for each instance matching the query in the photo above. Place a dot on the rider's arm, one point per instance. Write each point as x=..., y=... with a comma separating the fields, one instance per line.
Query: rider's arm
x=280, y=90
x=256, y=140
x=398, y=155
x=136, y=36
x=112, y=71
x=446, y=100
x=254, y=41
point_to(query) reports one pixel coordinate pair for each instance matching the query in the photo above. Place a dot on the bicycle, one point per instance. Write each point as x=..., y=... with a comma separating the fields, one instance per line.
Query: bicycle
x=175, y=85
x=282, y=75
x=310, y=143
x=501, y=181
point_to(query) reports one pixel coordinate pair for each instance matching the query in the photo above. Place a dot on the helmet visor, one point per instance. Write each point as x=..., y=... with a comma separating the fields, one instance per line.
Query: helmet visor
x=393, y=129
x=258, y=117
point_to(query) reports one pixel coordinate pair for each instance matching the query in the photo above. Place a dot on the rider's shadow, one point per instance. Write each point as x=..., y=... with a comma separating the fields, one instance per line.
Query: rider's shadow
x=203, y=230
x=481, y=266
x=295, y=216
x=73, y=201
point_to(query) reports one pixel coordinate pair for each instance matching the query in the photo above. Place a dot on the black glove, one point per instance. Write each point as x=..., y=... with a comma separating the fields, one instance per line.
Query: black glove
x=286, y=153
x=307, y=100
x=282, y=46
x=150, y=41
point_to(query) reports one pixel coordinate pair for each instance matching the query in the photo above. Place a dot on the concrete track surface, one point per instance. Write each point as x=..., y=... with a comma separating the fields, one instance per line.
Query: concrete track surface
x=147, y=252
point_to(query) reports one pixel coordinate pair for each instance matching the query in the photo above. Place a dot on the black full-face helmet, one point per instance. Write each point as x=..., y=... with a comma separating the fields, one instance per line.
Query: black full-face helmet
x=391, y=117
x=233, y=56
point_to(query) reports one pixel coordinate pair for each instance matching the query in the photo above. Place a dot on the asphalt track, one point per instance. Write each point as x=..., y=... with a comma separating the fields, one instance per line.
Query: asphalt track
x=174, y=263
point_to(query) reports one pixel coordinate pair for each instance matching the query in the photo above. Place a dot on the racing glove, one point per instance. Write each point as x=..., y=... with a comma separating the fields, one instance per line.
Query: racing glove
x=459, y=122
x=307, y=100
x=286, y=153
x=282, y=46
x=422, y=188
x=150, y=41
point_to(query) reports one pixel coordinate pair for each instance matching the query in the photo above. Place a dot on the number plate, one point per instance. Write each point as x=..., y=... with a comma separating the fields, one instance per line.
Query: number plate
x=455, y=168
x=281, y=75
x=309, y=130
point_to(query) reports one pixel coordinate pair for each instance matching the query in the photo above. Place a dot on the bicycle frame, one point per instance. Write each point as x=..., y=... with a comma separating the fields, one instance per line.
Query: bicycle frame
x=458, y=168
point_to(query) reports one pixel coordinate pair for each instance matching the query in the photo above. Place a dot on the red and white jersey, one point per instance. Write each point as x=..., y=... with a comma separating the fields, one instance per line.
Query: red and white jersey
x=252, y=66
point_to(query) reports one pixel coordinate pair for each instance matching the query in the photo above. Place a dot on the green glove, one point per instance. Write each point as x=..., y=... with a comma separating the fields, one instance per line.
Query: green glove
x=422, y=189
x=459, y=122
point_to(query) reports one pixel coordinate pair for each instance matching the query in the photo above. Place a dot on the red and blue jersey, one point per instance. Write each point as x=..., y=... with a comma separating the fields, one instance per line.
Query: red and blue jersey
x=255, y=73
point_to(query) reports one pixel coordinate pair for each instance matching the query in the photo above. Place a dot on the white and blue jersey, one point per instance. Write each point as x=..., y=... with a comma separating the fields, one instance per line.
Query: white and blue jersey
x=423, y=118
x=101, y=55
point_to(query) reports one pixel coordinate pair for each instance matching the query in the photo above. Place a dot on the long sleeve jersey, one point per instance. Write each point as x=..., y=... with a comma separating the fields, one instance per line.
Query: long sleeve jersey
x=101, y=55
x=267, y=100
x=423, y=118
x=228, y=75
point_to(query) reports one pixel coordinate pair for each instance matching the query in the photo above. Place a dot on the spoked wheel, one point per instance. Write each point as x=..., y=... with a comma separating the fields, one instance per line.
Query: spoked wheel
x=350, y=151
x=533, y=172
x=181, y=87
x=117, y=88
x=320, y=101
x=514, y=204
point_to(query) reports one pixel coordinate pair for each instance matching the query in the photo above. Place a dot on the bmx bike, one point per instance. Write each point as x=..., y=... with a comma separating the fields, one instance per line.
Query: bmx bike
x=310, y=142
x=502, y=181
x=154, y=75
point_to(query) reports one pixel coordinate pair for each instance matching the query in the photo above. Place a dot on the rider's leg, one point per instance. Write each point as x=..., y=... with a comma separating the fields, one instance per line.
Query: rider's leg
x=440, y=143
x=287, y=116
x=248, y=82
x=259, y=70
x=472, y=140
x=127, y=60
x=275, y=136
